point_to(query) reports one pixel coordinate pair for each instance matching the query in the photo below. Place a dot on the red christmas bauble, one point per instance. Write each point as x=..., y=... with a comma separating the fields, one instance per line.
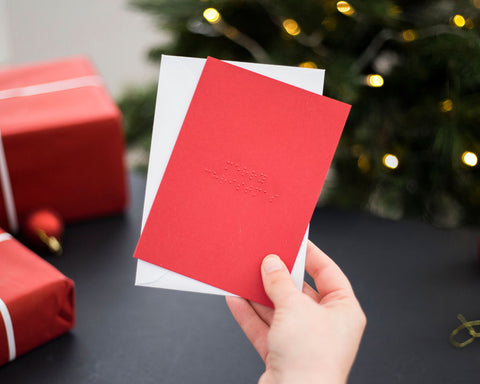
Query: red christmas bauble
x=43, y=229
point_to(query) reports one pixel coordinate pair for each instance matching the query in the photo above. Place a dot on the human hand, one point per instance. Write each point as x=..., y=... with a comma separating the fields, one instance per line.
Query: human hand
x=310, y=336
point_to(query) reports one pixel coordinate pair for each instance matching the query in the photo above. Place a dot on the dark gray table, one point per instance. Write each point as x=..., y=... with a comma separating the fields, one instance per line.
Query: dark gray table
x=411, y=279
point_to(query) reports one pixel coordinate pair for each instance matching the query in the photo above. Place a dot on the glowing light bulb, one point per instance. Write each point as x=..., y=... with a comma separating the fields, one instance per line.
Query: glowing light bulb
x=374, y=80
x=212, y=15
x=409, y=35
x=446, y=105
x=291, y=27
x=469, y=158
x=345, y=8
x=459, y=21
x=390, y=161
x=308, y=64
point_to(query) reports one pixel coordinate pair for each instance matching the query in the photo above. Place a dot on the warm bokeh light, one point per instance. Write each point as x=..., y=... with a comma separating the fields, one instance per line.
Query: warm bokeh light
x=211, y=15
x=469, y=158
x=409, y=35
x=291, y=26
x=476, y=3
x=374, y=80
x=308, y=64
x=395, y=10
x=363, y=163
x=459, y=21
x=345, y=8
x=390, y=161
x=330, y=23
x=446, y=105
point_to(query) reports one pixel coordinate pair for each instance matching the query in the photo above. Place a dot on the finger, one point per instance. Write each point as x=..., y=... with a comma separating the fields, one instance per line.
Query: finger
x=252, y=325
x=277, y=281
x=309, y=291
x=266, y=378
x=265, y=313
x=327, y=275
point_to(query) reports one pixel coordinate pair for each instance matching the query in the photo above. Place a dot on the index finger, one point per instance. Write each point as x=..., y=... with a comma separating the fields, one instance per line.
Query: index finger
x=327, y=275
x=251, y=323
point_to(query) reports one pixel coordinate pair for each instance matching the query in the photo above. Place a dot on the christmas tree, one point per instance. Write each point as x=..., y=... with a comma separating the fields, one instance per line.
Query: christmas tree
x=410, y=69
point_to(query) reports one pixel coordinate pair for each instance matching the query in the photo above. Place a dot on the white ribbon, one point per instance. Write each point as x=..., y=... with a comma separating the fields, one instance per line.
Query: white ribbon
x=5, y=236
x=54, y=86
x=7, y=320
x=7, y=190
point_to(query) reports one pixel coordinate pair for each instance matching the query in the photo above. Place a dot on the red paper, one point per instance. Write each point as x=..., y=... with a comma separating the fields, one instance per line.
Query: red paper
x=243, y=179
x=39, y=298
x=64, y=149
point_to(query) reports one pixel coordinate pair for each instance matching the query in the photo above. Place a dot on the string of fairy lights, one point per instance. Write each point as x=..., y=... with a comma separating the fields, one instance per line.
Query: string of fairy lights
x=375, y=80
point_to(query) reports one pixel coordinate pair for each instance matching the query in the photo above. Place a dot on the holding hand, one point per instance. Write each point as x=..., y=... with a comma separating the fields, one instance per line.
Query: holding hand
x=310, y=336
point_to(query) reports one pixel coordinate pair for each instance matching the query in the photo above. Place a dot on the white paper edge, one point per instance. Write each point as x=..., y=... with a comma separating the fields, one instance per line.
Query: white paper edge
x=178, y=99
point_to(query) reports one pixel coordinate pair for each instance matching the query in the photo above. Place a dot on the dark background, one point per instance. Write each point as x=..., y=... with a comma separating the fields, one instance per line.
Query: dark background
x=411, y=279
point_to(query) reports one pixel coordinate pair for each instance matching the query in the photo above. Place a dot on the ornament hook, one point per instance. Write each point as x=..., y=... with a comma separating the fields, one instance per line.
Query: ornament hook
x=50, y=241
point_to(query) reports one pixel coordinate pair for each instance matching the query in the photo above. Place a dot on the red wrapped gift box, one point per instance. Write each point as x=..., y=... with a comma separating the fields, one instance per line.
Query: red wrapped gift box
x=37, y=302
x=63, y=141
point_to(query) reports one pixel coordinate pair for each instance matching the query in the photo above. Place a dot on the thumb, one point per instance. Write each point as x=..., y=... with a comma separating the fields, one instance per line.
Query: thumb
x=277, y=281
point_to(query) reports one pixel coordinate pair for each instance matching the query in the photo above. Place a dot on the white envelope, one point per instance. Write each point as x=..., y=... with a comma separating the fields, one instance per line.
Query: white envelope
x=177, y=82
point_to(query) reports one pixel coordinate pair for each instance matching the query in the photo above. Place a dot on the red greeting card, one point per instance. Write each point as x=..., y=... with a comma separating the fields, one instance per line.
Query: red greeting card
x=243, y=179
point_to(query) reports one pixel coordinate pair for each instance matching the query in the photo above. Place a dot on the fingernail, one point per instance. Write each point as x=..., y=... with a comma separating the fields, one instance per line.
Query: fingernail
x=271, y=263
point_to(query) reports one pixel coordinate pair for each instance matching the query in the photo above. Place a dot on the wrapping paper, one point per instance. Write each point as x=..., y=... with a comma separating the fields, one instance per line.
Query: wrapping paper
x=63, y=141
x=37, y=302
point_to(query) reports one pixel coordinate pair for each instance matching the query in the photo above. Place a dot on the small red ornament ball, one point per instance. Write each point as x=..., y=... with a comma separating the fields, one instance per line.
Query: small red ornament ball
x=43, y=229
